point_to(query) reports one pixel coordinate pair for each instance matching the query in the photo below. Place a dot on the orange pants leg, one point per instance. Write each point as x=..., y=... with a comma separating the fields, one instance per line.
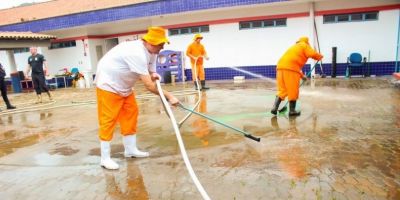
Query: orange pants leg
x=113, y=108
x=199, y=73
x=128, y=116
x=288, y=84
x=282, y=91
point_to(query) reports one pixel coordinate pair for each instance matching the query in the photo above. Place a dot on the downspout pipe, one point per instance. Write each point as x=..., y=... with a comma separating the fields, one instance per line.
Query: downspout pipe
x=312, y=38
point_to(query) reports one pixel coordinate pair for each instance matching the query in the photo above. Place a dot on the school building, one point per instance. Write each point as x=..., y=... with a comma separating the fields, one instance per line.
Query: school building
x=250, y=34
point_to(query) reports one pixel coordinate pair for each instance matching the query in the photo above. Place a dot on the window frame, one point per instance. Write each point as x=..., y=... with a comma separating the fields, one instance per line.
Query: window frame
x=265, y=23
x=189, y=30
x=334, y=18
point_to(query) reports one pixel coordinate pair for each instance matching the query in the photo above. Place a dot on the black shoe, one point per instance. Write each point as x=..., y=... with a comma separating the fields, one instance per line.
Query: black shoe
x=11, y=107
x=203, y=85
x=292, y=109
x=274, y=109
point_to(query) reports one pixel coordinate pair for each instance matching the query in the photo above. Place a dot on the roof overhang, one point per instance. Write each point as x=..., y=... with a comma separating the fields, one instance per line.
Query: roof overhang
x=14, y=40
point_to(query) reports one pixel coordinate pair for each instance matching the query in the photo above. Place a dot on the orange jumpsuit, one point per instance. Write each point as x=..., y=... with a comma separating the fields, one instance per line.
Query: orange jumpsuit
x=197, y=49
x=288, y=71
x=113, y=108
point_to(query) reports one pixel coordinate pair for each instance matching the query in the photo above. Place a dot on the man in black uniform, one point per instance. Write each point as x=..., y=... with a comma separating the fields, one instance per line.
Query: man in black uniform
x=3, y=88
x=35, y=63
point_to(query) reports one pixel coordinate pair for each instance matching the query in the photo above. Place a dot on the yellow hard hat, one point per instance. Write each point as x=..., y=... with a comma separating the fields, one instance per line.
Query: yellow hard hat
x=155, y=36
x=198, y=36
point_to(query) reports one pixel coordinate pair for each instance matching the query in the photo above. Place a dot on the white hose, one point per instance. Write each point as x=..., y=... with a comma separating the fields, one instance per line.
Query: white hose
x=181, y=145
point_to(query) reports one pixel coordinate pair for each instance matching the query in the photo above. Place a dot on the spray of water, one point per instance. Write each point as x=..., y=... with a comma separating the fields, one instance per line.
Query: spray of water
x=254, y=75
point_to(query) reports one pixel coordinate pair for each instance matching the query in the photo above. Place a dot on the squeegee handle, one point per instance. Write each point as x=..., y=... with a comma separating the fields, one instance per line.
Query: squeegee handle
x=221, y=123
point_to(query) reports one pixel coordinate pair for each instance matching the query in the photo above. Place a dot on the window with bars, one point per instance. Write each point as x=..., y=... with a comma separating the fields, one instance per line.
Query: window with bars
x=189, y=30
x=351, y=17
x=262, y=23
x=21, y=50
x=59, y=45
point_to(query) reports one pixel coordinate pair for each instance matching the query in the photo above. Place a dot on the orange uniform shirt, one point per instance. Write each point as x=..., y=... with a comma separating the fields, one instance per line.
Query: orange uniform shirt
x=296, y=56
x=196, y=50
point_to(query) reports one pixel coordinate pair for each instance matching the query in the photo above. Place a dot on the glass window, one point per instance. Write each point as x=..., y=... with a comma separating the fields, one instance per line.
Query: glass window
x=356, y=17
x=371, y=16
x=280, y=22
x=62, y=44
x=257, y=24
x=352, y=17
x=262, y=23
x=173, y=31
x=343, y=18
x=195, y=29
x=269, y=23
x=329, y=18
x=204, y=29
x=21, y=50
x=184, y=30
x=244, y=25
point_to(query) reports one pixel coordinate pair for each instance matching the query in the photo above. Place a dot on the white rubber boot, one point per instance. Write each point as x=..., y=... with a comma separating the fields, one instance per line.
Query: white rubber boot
x=131, y=149
x=106, y=161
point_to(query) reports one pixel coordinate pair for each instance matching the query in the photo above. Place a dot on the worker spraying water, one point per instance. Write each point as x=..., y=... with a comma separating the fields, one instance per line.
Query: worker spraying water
x=288, y=74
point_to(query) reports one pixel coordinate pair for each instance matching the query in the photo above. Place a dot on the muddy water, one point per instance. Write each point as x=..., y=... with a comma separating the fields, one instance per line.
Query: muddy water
x=345, y=145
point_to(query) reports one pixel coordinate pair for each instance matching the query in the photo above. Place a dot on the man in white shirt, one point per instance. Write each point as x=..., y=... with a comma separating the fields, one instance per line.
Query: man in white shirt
x=116, y=75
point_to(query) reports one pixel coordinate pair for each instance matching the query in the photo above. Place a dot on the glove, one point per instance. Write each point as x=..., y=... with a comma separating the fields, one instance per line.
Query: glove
x=319, y=57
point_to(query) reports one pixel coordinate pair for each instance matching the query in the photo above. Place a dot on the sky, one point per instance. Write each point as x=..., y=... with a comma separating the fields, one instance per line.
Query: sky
x=12, y=3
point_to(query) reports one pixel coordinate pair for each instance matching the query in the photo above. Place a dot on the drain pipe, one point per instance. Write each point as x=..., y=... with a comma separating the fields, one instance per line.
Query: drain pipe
x=397, y=68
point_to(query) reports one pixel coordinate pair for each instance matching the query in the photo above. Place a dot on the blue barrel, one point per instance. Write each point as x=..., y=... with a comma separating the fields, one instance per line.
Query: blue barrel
x=16, y=82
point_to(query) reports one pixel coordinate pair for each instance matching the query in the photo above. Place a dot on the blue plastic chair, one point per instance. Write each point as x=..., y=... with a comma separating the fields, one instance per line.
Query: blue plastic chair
x=355, y=60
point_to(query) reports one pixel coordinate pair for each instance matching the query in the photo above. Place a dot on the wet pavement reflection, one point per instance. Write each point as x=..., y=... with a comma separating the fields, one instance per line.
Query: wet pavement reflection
x=345, y=145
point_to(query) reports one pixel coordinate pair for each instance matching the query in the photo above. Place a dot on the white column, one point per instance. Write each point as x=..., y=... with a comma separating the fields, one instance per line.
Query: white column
x=312, y=36
x=11, y=60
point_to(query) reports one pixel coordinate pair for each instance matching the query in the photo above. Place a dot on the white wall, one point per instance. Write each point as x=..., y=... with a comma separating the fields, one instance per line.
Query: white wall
x=4, y=61
x=92, y=52
x=21, y=60
x=228, y=46
x=379, y=37
x=70, y=57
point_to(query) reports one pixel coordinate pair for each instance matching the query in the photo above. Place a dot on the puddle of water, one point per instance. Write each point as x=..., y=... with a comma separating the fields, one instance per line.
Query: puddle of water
x=129, y=186
x=65, y=151
x=13, y=140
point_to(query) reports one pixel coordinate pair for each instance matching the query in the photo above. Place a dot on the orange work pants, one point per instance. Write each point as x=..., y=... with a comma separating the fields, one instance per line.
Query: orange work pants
x=288, y=83
x=113, y=108
x=199, y=72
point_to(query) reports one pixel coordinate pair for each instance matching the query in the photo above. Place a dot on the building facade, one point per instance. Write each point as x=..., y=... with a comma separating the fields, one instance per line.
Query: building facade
x=251, y=34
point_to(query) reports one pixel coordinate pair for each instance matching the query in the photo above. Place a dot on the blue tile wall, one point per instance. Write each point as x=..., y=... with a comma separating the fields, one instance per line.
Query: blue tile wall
x=224, y=73
x=127, y=12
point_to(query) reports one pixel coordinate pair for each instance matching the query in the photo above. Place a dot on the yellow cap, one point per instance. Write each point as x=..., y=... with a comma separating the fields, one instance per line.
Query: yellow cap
x=197, y=36
x=155, y=36
x=303, y=39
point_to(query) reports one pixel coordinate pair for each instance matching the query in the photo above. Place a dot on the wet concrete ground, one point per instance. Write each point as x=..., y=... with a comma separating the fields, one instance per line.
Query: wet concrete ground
x=345, y=145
